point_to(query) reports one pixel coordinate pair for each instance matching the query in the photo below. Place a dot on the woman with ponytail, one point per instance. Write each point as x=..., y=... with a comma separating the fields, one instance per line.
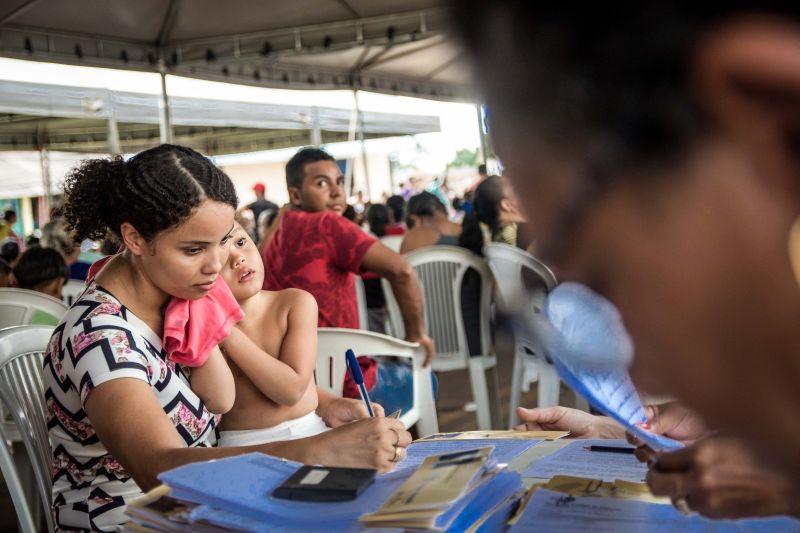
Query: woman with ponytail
x=120, y=412
x=494, y=217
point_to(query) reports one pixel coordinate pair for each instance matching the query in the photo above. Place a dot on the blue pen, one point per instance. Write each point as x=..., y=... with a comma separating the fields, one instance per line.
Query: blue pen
x=355, y=372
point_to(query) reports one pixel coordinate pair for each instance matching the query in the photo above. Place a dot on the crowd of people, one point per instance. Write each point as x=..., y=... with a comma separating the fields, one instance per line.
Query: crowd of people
x=245, y=386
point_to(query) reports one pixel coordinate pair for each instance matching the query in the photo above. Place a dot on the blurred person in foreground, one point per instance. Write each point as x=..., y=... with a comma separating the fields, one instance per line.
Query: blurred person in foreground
x=655, y=151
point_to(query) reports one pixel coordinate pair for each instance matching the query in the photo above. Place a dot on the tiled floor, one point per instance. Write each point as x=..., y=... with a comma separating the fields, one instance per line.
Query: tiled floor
x=454, y=393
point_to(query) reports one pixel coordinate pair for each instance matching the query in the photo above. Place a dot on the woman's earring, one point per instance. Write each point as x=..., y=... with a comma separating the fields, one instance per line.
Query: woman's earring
x=794, y=249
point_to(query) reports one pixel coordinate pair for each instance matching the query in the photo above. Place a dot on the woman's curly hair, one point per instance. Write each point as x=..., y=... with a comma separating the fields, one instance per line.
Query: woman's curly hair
x=153, y=191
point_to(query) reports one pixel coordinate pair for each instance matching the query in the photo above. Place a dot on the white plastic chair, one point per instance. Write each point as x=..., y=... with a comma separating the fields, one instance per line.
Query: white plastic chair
x=331, y=369
x=523, y=283
x=441, y=271
x=18, y=306
x=392, y=242
x=361, y=299
x=22, y=394
x=71, y=290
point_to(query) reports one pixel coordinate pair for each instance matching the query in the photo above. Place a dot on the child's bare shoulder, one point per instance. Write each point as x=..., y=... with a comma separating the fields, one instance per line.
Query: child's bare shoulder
x=290, y=299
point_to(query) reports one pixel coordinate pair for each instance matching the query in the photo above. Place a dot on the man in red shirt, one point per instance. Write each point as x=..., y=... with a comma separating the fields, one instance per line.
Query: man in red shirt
x=316, y=249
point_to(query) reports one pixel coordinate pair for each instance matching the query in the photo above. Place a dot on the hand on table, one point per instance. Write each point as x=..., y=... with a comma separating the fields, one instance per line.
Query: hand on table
x=580, y=424
x=719, y=477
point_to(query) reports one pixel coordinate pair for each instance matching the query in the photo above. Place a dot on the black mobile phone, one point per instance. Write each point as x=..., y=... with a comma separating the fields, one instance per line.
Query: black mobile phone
x=325, y=484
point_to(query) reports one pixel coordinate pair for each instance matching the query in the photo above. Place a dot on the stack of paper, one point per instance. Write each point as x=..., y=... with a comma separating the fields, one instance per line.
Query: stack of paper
x=556, y=511
x=578, y=459
x=448, y=492
x=158, y=511
x=236, y=493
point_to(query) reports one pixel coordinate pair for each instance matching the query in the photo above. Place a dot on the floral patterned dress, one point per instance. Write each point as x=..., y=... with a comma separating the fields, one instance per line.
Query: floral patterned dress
x=97, y=341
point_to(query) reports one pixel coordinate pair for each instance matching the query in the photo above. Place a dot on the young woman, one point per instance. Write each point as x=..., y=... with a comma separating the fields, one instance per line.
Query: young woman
x=494, y=217
x=120, y=412
x=428, y=225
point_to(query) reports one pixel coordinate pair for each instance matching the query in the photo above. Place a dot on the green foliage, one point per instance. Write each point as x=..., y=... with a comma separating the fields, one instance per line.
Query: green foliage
x=466, y=158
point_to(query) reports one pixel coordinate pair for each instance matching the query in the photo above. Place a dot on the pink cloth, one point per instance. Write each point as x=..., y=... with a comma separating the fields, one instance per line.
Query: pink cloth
x=193, y=327
x=96, y=267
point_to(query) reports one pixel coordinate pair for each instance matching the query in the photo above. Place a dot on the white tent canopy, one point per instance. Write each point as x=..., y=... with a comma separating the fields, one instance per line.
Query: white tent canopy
x=34, y=115
x=391, y=46
x=21, y=172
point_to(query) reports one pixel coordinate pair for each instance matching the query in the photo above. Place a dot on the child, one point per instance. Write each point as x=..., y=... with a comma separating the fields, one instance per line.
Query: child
x=42, y=270
x=272, y=353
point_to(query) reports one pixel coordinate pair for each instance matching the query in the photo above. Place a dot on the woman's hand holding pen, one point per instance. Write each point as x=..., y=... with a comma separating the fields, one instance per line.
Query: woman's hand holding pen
x=338, y=411
x=377, y=442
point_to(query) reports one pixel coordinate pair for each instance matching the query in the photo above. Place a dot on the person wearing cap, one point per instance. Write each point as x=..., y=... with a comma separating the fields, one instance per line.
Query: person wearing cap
x=261, y=204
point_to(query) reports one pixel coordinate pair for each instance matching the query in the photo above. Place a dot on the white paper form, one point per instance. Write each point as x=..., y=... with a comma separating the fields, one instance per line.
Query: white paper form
x=581, y=332
x=555, y=511
x=612, y=392
x=575, y=459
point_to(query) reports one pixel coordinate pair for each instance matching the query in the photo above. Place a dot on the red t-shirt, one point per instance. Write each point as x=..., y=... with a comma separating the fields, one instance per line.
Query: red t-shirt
x=320, y=253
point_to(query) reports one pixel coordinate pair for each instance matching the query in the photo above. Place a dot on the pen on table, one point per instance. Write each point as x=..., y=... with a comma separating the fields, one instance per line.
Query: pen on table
x=610, y=449
x=355, y=372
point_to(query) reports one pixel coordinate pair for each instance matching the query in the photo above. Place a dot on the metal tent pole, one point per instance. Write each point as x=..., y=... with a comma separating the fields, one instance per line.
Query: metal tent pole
x=360, y=132
x=164, y=122
x=316, y=131
x=113, y=136
x=483, y=151
x=44, y=159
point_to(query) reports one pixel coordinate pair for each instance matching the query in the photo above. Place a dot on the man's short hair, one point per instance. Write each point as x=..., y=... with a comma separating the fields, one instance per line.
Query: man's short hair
x=296, y=167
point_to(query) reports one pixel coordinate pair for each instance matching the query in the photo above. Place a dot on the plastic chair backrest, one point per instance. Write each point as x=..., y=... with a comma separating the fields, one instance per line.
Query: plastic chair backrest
x=519, y=276
x=19, y=306
x=361, y=299
x=331, y=367
x=71, y=290
x=393, y=242
x=441, y=271
x=22, y=395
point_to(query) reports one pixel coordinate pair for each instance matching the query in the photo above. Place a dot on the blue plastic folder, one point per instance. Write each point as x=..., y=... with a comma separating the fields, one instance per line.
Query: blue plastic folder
x=480, y=501
x=589, y=347
x=243, y=485
x=236, y=493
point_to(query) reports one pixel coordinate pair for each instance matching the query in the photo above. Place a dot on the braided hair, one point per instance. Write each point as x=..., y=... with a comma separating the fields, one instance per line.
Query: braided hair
x=155, y=190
